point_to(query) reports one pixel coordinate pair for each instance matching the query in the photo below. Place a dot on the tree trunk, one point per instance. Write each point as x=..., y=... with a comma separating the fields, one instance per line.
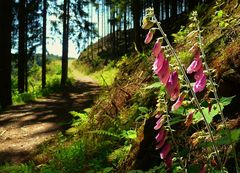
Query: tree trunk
x=156, y=6
x=44, y=44
x=167, y=9
x=21, y=47
x=136, y=19
x=125, y=28
x=65, y=43
x=103, y=24
x=162, y=8
x=5, y=53
x=114, y=32
x=174, y=8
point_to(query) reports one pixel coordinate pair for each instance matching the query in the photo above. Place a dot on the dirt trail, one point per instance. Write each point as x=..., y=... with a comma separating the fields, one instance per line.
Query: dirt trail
x=24, y=128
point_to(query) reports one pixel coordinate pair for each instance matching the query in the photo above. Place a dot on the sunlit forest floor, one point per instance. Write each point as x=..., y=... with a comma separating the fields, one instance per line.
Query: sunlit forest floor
x=25, y=127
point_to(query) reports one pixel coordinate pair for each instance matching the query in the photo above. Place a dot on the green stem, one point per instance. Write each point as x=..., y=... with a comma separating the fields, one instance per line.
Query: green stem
x=216, y=95
x=192, y=92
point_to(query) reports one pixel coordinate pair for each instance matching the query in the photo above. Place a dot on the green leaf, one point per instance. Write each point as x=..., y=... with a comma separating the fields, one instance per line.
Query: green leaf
x=143, y=109
x=226, y=100
x=193, y=168
x=235, y=135
x=220, y=14
x=130, y=134
x=176, y=120
x=154, y=85
x=224, y=140
x=209, y=115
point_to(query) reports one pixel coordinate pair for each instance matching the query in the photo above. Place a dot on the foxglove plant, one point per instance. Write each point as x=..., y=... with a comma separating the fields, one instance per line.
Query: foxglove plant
x=213, y=86
x=170, y=79
x=161, y=141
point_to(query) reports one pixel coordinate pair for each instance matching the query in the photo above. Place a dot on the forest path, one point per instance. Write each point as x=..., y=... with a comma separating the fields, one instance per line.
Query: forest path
x=24, y=128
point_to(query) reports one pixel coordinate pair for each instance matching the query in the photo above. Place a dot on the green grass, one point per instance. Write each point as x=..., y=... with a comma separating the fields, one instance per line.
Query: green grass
x=104, y=76
x=21, y=168
x=53, y=78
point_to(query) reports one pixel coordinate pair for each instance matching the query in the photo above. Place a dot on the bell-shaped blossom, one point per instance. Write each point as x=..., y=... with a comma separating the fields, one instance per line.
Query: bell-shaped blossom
x=204, y=169
x=200, y=84
x=157, y=47
x=178, y=103
x=198, y=74
x=189, y=119
x=161, y=134
x=165, y=150
x=149, y=36
x=159, y=123
x=164, y=72
x=172, y=83
x=196, y=64
x=175, y=93
x=158, y=115
x=158, y=63
x=168, y=162
x=161, y=143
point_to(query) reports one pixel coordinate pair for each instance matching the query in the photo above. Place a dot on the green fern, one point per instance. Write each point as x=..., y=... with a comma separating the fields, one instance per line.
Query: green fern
x=106, y=133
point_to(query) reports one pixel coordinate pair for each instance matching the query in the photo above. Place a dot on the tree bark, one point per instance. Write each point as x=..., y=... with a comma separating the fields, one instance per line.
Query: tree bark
x=65, y=43
x=167, y=9
x=156, y=5
x=44, y=44
x=125, y=28
x=174, y=8
x=5, y=53
x=136, y=22
x=21, y=47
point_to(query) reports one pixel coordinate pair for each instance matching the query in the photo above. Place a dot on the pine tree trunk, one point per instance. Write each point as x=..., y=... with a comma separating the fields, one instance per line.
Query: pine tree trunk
x=125, y=28
x=98, y=21
x=114, y=32
x=44, y=44
x=5, y=53
x=167, y=8
x=136, y=19
x=103, y=24
x=156, y=6
x=65, y=43
x=174, y=8
x=21, y=47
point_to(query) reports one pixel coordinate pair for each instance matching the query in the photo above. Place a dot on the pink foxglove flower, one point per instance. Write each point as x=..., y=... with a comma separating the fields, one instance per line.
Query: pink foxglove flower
x=159, y=123
x=203, y=169
x=157, y=48
x=200, y=84
x=172, y=82
x=178, y=103
x=198, y=74
x=196, y=64
x=164, y=152
x=158, y=115
x=149, y=36
x=189, y=119
x=158, y=63
x=168, y=161
x=161, y=134
x=161, y=143
x=175, y=93
x=164, y=72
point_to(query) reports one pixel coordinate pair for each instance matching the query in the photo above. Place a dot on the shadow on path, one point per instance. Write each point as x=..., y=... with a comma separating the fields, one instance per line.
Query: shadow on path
x=23, y=128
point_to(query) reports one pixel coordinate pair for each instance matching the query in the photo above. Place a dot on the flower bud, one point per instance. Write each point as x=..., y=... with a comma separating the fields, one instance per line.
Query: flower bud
x=149, y=36
x=147, y=23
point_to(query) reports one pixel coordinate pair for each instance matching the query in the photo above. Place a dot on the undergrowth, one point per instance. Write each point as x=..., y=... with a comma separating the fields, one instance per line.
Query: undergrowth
x=53, y=78
x=116, y=134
